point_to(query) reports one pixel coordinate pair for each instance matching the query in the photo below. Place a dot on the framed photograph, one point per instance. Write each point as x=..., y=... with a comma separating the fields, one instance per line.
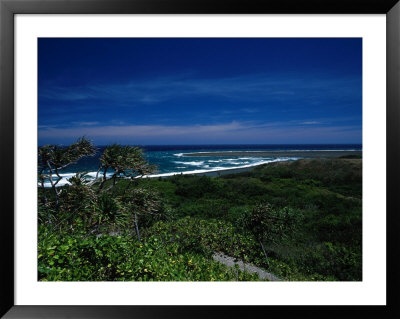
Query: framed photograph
x=194, y=159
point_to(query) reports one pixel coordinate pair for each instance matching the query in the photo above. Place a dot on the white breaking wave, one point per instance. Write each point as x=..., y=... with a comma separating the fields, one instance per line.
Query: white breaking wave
x=66, y=176
x=271, y=151
x=217, y=169
x=194, y=163
x=62, y=182
x=352, y=150
x=206, y=169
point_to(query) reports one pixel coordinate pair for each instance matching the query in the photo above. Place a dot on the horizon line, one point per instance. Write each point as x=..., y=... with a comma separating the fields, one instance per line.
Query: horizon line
x=215, y=144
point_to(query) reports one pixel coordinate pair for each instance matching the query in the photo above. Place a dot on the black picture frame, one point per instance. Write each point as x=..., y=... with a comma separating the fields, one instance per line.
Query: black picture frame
x=8, y=8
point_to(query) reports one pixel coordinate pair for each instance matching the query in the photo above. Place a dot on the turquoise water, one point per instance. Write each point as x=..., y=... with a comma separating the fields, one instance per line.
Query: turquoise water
x=172, y=159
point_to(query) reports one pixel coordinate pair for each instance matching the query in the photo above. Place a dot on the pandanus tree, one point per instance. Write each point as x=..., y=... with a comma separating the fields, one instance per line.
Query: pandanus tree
x=142, y=202
x=52, y=159
x=127, y=161
x=80, y=200
x=270, y=225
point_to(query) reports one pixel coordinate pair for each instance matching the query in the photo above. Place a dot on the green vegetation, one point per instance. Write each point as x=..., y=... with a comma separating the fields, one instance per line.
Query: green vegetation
x=52, y=158
x=299, y=220
x=126, y=160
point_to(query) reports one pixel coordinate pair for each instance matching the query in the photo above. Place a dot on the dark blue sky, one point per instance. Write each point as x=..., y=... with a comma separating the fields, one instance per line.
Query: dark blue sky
x=200, y=91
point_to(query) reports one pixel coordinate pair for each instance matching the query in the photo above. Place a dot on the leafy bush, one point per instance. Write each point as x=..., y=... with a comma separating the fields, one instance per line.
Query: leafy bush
x=78, y=257
x=310, y=230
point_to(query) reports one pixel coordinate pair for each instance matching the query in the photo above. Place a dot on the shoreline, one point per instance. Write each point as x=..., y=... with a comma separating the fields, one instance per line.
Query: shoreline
x=210, y=173
x=306, y=154
x=236, y=170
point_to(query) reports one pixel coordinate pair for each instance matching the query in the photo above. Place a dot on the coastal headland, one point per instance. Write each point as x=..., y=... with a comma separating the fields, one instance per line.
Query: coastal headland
x=306, y=154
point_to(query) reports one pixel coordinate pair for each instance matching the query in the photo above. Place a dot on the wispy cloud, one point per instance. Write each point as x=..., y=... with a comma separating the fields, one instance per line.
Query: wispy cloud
x=84, y=123
x=143, y=130
x=250, y=110
x=243, y=88
x=238, y=132
x=310, y=123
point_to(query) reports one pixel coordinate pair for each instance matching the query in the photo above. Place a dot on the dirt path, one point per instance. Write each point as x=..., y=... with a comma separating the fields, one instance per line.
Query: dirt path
x=230, y=262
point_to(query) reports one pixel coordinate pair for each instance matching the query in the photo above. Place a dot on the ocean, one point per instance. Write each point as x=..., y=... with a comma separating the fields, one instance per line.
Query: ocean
x=191, y=159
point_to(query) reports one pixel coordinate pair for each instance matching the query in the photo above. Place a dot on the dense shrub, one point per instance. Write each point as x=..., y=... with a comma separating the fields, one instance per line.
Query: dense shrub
x=78, y=257
x=307, y=214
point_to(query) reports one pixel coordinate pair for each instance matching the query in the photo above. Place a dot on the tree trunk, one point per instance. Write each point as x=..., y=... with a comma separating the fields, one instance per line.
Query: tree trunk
x=137, y=227
x=96, y=177
x=97, y=173
x=53, y=186
x=104, y=178
x=105, y=174
x=44, y=198
x=264, y=251
x=41, y=177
